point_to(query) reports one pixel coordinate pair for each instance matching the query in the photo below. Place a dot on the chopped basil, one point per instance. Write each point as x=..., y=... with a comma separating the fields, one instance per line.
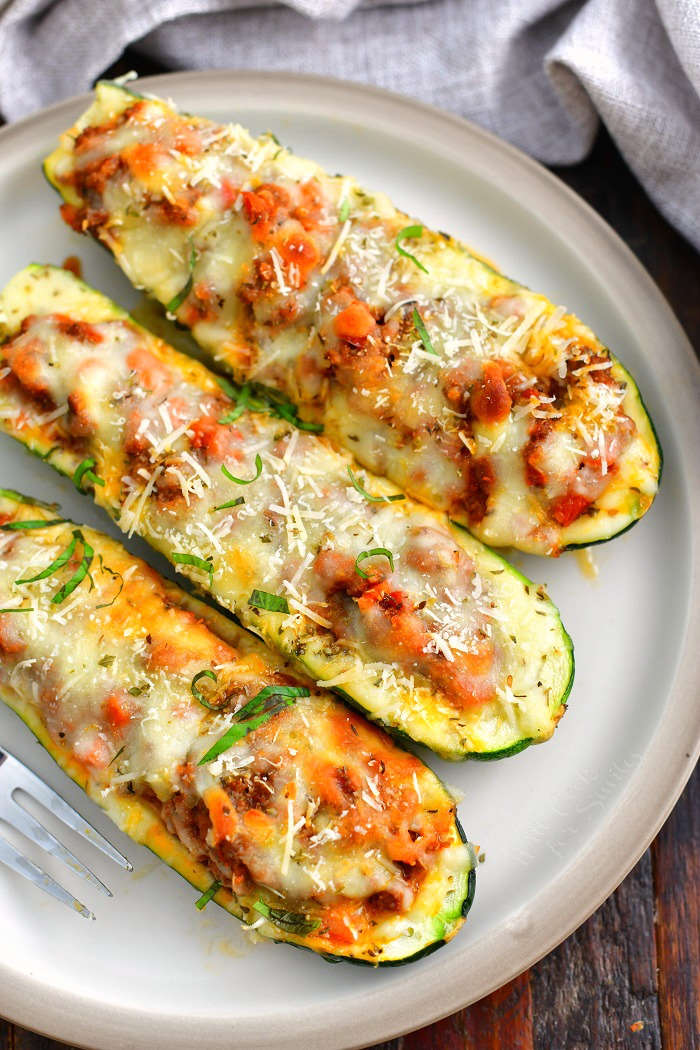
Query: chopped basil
x=114, y=575
x=197, y=692
x=179, y=299
x=197, y=563
x=138, y=690
x=285, y=410
x=369, y=496
x=419, y=326
x=17, y=497
x=344, y=210
x=374, y=552
x=265, y=401
x=243, y=481
x=81, y=572
x=207, y=896
x=121, y=750
x=84, y=470
x=290, y=921
x=60, y=561
x=231, y=503
x=406, y=232
x=241, y=397
x=280, y=695
x=288, y=692
x=268, y=602
x=106, y=661
x=15, y=526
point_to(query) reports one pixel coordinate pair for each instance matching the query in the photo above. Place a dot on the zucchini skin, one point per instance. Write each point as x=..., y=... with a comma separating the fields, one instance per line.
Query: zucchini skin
x=141, y=821
x=48, y=284
x=611, y=504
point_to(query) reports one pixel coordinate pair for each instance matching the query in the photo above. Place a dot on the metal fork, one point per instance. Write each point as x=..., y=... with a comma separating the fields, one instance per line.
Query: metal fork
x=16, y=780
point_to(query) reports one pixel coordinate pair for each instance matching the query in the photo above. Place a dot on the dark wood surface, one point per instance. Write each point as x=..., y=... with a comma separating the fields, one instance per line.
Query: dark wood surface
x=628, y=979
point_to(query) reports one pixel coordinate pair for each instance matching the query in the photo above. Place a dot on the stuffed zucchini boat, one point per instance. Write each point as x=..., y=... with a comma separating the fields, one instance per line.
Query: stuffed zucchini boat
x=292, y=811
x=474, y=394
x=420, y=625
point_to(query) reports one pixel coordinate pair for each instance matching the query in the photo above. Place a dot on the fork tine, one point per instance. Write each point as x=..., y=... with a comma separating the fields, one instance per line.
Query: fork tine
x=23, y=866
x=35, y=787
x=21, y=820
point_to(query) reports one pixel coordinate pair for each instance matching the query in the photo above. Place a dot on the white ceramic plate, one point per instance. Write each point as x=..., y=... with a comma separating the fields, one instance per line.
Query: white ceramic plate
x=560, y=824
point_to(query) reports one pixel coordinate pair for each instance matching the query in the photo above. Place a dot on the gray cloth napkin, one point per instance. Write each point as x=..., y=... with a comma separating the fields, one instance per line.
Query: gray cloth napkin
x=540, y=73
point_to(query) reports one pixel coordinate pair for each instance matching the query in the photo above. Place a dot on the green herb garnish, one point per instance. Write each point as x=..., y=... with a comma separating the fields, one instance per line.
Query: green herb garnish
x=81, y=572
x=15, y=526
x=368, y=496
x=264, y=401
x=197, y=692
x=179, y=299
x=114, y=575
x=344, y=210
x=241, y=397
x=231, y=503
x=119, y=752
x=374, y=552
x=197, y=563
x=280, y=695
x=269, y=602
x=290, y=921
x=84, y=470
x=17, y=608
x=243, y=481
x=406, y=232
x=419, y=326
x=289, y=693
x=288, y=411
x=106, y=661
x=207, y=896
x=60, y=561
x=18, y=497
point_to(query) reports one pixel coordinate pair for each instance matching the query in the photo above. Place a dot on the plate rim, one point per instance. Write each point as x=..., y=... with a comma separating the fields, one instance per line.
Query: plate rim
x=432, y=990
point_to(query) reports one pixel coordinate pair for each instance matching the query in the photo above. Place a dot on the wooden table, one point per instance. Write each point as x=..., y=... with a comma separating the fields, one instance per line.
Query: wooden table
x=628, y=978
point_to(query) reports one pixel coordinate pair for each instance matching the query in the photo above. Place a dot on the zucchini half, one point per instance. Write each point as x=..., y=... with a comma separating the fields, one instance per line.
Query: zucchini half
x=65, y=671
x=472, y=393
x=423, y=627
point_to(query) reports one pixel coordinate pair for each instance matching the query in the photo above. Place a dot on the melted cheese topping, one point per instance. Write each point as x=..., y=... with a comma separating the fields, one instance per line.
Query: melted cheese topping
x=473, y=393
x=430, y=633
x=315, y=812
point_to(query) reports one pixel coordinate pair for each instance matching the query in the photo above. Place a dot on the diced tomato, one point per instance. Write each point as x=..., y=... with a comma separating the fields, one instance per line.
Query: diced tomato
x=299, y=250
x=143, y=159
x=222, y=814
x=213, y=437
x=92, y=749
x=479, y=660
x=569, y=507
x=10, y=638
x=258, y=824
x=311, y=204
x=26, y=359
x=118, y=709
x=187, y=140
x=152, y=374
x=229, y=193
x=338, y=930
x=354, y=323
x=262, y=206
x=489, y=400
